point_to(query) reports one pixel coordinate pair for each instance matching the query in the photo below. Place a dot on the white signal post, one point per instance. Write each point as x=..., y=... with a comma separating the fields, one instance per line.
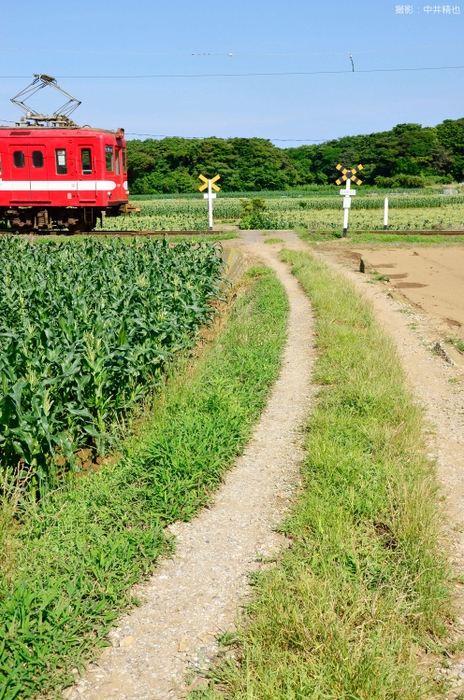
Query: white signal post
x=347, y=176
x=385, y=214
x=210, y=195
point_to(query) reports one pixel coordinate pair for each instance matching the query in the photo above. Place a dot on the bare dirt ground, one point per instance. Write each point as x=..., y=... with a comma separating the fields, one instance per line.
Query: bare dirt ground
x=432, y=278
x=194, y=596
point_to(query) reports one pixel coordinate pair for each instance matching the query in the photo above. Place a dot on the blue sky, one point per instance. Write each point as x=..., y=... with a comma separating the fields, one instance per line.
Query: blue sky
x=142, y=37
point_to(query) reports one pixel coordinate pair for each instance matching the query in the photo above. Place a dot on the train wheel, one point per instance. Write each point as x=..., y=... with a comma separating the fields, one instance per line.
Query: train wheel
x=75, y=225
x=80, y=227
x=22, y=226
x=73, y=229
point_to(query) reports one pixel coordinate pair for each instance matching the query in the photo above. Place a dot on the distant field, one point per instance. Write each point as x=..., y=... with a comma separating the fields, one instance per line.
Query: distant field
x=407, y=212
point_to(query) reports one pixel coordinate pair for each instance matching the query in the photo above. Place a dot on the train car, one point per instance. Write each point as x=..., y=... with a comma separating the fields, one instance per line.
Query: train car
x=56, y=175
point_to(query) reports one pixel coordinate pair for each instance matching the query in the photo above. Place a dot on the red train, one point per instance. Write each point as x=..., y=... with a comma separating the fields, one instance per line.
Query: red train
x=56, y=175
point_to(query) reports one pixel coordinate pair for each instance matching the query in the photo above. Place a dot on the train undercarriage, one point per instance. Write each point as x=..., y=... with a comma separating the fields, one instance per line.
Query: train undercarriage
x=69, y=220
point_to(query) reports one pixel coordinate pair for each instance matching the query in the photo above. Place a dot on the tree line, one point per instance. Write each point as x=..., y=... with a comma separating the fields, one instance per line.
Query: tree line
x=408, y=155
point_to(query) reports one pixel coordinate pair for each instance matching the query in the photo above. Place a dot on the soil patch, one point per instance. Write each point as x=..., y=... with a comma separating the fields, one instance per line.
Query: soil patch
x=431, y=278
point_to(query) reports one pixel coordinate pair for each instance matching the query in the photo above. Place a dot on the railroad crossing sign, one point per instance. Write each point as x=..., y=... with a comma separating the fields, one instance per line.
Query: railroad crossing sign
x=347, y=176
x=212, y=181
x=210, y=184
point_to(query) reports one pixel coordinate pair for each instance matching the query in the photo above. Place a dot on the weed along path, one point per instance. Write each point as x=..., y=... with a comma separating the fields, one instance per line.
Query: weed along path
x=439, y=386
x=194, y=596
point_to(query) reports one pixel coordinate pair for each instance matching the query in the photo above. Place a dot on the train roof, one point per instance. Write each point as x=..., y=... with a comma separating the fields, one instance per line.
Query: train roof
x=26, y=130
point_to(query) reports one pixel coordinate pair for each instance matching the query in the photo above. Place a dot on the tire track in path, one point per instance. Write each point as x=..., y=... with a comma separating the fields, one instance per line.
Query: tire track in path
x=195, y=595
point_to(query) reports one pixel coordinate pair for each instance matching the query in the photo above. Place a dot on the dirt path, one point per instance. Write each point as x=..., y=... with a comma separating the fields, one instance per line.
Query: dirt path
x=194, y=596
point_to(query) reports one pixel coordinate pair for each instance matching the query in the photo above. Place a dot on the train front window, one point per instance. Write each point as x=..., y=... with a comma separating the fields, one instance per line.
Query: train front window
x=109, y=153
x=18, y=159
x=124, y=160
x=118, y=164
x=61, y=166
x=86, y=161
x=37, y=159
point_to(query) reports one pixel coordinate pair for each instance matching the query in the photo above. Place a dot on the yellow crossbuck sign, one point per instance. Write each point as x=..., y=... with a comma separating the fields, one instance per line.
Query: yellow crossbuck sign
x=205, y=181
x=348, y=175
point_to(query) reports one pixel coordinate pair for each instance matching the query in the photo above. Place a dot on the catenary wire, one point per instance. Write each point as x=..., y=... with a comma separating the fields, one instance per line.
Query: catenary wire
x=237, y=75
x=233, y=54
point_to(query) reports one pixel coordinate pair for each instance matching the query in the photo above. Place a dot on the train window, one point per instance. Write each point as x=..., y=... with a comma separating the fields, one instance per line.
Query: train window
x=109, y=152
x=0, y=163
x=18, y=159
x=118, y=163
x=61, y=167
x=124, y=160
x=37, y=159
x=86, y=161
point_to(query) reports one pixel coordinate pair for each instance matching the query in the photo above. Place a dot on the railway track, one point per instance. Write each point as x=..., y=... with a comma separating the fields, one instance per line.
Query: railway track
x=141, y=234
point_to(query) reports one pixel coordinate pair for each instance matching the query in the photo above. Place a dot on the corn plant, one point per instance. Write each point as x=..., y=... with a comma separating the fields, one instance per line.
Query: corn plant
x=86, y=328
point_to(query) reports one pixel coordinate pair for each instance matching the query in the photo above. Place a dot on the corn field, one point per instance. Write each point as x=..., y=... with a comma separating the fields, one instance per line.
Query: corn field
x=406, y=212
x=450, y=217
x=86, y=329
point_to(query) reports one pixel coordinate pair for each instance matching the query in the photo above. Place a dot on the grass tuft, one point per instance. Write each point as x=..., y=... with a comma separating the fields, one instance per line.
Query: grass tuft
x=457, y=342
x=274, y=240
x=380, y=238
x=362, y=592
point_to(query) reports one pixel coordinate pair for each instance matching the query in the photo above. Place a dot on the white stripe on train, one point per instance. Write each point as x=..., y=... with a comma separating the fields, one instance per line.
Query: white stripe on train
x=57, y=185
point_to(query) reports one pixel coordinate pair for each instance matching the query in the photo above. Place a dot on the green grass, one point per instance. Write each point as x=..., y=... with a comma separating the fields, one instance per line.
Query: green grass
x=81, y=549
x=405, y=238
x=380, y=238
x=362, y=592
x=274, y=240
x=457, y=342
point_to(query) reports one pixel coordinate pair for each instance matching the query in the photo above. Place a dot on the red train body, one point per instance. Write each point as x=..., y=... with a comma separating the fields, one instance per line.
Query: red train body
x=61, y=177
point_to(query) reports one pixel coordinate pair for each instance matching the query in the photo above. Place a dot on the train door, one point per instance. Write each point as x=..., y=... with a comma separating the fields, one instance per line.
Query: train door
x=87, y=183
x=20, y=176
x=119, y=168
x=29, y=176
x=38, y=173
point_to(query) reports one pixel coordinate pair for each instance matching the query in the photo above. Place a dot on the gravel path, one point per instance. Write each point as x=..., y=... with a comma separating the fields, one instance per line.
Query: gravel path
x=195, y=595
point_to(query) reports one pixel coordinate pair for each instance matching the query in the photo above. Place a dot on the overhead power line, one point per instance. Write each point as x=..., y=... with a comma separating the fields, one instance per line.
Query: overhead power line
x=237, y=75
x=201, y=54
